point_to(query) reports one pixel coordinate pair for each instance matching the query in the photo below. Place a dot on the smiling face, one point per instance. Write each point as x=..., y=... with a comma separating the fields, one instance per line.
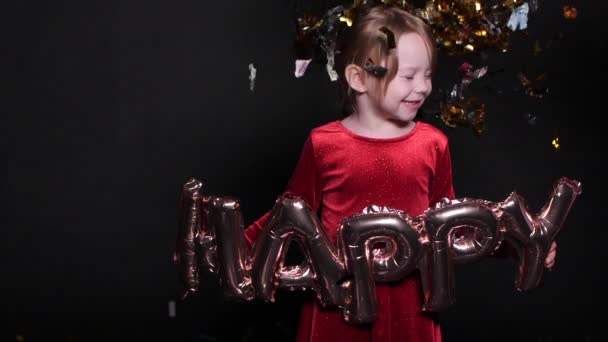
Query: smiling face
x=406, y=92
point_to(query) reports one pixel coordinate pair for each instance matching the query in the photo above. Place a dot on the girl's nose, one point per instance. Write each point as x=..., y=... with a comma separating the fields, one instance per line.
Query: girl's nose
x=422, y=86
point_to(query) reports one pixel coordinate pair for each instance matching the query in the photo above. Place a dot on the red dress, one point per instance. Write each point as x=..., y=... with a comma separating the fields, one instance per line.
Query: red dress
x=345, y=172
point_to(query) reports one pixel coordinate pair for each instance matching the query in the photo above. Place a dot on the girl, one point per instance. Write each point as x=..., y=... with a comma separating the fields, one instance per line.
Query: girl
x=377, y=155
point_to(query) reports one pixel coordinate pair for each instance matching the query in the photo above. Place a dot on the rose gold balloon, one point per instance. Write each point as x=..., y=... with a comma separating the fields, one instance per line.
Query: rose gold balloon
x=322, y=271
x=190, y=221
x=474, y=219
x=530, y=236
x=380, y=244
x=226, y=223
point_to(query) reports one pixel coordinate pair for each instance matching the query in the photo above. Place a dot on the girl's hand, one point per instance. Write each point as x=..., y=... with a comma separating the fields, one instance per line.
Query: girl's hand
x=550, y=259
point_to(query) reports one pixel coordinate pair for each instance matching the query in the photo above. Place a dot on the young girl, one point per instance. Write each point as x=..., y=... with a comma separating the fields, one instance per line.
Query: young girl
x=376, y=155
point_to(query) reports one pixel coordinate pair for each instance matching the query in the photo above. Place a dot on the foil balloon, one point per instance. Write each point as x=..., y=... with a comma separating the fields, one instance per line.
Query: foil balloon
x=530, y=236
x=380, y=244
x=207, y=249
x=460, y=230
x=189, y=230
x=233, y=265
x=322, y=270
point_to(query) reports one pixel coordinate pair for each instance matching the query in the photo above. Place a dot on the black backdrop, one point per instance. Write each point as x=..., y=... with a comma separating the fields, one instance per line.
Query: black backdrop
x=111, y=106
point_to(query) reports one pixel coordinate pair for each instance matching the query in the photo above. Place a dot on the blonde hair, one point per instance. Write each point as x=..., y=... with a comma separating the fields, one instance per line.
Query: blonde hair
x=366, y=41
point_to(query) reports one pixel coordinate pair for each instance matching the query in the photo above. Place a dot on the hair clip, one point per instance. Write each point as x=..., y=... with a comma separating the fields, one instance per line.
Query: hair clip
x=374, y=69
x=390, y=37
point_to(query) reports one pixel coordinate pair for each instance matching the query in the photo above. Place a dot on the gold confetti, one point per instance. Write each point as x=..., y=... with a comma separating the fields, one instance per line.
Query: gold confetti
x=555, y=143
x=453, y=115
x=308, y=23
x=467, y=112
x=570, y=12
x=459, y=27
x=346, y=20
x=479, y=119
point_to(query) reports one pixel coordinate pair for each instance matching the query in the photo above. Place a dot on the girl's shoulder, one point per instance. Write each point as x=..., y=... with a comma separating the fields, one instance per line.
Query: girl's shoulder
x=327, y=132
x=431, y=137
x=327, y=135
x=333, y=127
x=431, y=131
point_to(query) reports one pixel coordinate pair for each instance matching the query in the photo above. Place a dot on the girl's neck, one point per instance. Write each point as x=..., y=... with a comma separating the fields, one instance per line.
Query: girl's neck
x=372, y=126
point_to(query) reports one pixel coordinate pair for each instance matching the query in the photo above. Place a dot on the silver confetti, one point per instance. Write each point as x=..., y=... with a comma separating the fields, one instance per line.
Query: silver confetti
x=252, y=75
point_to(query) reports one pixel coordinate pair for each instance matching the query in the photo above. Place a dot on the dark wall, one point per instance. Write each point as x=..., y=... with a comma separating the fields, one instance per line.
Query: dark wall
x=111, y=106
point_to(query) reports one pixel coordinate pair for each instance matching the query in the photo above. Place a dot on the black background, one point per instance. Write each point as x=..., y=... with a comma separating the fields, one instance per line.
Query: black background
x=111, y=106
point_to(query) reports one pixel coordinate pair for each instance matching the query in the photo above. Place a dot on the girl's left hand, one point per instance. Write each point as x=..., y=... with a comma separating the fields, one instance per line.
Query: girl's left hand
x=550, y=259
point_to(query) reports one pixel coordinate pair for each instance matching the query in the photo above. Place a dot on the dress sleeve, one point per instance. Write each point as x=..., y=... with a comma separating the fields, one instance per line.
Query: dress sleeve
x=441, y=185
x=304, y=182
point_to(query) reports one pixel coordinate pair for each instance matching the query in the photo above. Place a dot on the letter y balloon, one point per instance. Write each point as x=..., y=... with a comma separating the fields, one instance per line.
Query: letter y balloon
x=530, y=235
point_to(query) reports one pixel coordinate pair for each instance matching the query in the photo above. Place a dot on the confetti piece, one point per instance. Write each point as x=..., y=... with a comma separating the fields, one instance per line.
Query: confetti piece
x=519, y=18
x=171, y=308
x=301, y=66
x=570, y=12
x=531, y=119
x=555, y=143
x=252, y=75
x=534, y=87
x=333, y=75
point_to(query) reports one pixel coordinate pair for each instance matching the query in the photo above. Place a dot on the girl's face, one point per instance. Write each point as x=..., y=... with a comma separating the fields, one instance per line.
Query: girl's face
x=406, y=92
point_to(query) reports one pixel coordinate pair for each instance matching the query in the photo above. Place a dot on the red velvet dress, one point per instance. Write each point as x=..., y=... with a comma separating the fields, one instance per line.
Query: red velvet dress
x=345, y=172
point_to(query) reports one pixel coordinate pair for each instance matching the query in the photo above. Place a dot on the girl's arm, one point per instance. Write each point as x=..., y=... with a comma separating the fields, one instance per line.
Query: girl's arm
x=441, y=185
x=304, y=182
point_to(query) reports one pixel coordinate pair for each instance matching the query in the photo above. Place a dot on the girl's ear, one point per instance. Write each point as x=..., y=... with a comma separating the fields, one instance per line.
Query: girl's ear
x=355, y=76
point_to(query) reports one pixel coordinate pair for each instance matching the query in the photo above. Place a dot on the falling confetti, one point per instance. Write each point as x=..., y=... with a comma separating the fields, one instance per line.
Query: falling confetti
x=555, y=143
x=328, y=30
x=519, y=18
x=570, y=12
x=535, y=87
x=531, y=119
x=467, y=75
x=252, y=75
x=301, y=66
x=457, y=108
x=305, y=41
x=348, y=21
x=459, y=27
x=463, y=113
x=333, y=75
x=172, y=308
